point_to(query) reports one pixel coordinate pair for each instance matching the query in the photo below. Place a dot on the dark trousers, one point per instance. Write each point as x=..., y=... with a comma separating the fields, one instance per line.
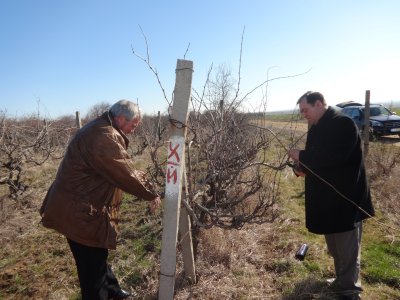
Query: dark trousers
x=97, y=280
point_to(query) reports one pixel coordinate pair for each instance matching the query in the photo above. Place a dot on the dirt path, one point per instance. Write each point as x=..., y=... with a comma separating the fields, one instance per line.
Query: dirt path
x=394, y=140
x=301, y=127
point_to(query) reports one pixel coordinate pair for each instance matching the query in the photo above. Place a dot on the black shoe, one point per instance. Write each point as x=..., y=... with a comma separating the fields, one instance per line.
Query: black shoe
x=350, y=297
x=121, y=294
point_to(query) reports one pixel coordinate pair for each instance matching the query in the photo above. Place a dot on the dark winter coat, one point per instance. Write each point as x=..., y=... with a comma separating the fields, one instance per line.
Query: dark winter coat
x=334, y=153
x=84, y=200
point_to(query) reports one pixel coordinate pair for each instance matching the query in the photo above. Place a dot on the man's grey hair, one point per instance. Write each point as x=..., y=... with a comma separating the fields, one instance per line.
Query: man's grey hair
x=125, y=108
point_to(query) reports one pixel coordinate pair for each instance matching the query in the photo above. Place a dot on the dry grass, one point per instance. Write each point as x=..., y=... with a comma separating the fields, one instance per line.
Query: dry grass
x=256, y=262
x=230, y=265
x=383, y=168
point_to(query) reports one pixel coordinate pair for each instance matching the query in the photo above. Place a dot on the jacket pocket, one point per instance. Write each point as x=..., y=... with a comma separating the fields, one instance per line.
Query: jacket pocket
x=93, y=224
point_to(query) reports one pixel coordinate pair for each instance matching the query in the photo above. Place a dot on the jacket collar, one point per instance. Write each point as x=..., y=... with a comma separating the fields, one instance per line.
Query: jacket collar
x=108, y=116
x=328, y=114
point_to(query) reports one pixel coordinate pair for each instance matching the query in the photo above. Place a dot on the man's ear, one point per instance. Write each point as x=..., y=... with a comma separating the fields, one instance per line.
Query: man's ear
x=119, y=120
x=319, y=103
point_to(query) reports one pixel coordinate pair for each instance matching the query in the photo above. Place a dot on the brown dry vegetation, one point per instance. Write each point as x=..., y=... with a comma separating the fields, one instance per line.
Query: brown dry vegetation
x=256, y=262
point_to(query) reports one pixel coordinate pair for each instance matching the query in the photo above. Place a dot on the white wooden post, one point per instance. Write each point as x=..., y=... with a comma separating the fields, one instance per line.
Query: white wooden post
x=78, y=120
x=173, y=189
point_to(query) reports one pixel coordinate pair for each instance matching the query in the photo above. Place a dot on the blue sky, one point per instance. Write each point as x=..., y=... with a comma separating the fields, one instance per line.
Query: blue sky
x=59, y=57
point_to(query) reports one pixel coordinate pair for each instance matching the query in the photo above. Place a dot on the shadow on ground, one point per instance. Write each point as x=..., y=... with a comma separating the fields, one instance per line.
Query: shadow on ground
x=311, y=288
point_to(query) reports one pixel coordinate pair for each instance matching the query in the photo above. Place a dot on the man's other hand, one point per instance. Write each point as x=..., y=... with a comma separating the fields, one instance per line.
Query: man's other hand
x=154, y=204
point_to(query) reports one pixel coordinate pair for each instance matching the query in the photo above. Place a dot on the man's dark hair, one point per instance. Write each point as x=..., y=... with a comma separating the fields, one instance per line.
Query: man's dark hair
x=312, y=97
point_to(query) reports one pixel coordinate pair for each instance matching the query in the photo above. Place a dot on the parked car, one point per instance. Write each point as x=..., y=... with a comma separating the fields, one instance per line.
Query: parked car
x=348, y=103
x=381, y=121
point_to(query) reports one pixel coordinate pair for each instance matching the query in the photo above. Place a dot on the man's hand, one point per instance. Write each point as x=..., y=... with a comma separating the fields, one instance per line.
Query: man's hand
x=154, y=204
x=294, y=154
x=298, y=170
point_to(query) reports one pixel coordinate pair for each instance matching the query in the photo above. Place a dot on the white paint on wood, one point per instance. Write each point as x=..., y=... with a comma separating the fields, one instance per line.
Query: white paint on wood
x=173, y=189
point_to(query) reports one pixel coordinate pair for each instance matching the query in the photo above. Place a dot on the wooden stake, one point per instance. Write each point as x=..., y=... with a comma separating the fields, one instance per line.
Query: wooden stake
x=185, y=235
x=366, y=122
x=78, y=120
x=173, y=189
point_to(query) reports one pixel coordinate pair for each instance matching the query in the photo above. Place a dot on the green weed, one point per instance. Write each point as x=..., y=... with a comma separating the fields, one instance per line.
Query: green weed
x=381, y=263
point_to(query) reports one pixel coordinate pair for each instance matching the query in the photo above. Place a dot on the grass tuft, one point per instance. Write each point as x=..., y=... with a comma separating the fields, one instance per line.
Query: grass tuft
x=381, y=263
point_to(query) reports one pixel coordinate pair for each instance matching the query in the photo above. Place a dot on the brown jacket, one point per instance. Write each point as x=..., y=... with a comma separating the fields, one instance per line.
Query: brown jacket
x=84, y=199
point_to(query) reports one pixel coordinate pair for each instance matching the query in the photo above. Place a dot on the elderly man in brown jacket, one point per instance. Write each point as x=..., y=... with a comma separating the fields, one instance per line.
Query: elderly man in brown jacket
x=84, y=199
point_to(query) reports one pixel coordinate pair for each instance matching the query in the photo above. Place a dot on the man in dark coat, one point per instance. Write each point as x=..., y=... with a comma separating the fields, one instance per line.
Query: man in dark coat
x=337, y=196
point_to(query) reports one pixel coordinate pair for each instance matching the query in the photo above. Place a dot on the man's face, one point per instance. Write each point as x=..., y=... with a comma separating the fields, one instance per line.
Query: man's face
x=126, y=126
x=311, y=112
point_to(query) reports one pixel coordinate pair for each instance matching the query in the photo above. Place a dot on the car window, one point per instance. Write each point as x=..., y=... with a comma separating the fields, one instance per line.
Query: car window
x=355, y=113
x=378, y=111
x=375, y=111
x=385, y=111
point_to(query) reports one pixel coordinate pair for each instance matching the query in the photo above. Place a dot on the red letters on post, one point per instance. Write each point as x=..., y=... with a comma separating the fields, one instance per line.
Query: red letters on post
x=173, y=163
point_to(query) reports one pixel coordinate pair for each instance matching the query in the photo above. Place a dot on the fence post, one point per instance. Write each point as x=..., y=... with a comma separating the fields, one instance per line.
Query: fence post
x=185, y=235
x=78, y=120
x=175, y=166
x=158, y=129
x=366, y=122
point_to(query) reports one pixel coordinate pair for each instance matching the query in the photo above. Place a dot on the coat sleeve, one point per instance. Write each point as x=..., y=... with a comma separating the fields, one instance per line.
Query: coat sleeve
x=332, y=145
x=108, y=157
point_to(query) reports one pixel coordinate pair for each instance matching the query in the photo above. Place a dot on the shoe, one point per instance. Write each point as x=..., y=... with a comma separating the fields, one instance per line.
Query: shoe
x=330, y=280
x=350, y=297
x=121, y=294
x=333, y=283
x=334, y=286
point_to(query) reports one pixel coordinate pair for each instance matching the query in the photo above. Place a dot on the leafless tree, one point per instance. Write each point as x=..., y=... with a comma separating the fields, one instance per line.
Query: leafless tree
x=232, y=161
x=228, y=184
x=383, y=170
x=96, y=110
x=232, y=178
x=2, y=125
x=26, y=142
x=151, y=137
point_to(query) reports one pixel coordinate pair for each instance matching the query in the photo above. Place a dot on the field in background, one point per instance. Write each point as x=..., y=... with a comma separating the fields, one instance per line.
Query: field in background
x=256, y=262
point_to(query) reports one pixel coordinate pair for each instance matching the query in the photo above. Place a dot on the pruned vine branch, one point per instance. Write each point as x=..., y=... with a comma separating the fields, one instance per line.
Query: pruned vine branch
x=25, y=143
x=233, y=162
x=146, y=60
